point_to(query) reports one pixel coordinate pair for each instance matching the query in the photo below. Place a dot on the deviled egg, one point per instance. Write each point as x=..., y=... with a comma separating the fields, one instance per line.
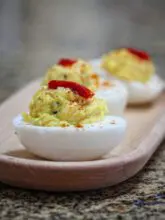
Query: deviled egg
x=135, y=69
x=67, y=122
x=80, y=71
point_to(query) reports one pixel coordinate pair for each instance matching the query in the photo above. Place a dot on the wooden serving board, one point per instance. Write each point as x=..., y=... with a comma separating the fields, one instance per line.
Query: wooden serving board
x=146, y=129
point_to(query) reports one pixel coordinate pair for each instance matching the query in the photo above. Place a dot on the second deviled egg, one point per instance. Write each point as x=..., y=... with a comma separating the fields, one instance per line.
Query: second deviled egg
x=80, y=71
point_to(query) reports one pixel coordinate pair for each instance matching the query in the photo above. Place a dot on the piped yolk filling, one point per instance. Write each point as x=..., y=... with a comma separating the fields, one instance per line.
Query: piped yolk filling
x=77, y=71
x=63, y=107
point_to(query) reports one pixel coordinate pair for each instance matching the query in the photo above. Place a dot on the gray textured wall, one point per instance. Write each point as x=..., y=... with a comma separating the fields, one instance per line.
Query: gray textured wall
x=37, y=32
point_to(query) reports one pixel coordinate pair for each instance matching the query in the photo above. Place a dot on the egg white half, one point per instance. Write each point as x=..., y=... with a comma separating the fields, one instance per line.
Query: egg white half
x=141, y=93
x=71, y=143
x=115, y=95
x=97, y=69
x=138, y=93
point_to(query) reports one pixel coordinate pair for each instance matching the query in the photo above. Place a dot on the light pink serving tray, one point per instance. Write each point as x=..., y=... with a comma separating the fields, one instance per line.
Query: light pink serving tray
x=146, y=129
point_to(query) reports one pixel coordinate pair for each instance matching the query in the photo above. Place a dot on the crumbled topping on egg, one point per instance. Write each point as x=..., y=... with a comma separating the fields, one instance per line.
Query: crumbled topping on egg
x=127, y=66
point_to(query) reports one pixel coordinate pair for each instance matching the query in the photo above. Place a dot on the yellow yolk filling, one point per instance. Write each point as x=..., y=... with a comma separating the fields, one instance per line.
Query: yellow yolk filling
x=126, y=66
x=80, y=72
x=63, y=107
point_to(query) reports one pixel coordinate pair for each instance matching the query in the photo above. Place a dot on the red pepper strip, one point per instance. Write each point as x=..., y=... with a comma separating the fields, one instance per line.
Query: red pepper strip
x=66, y=62
x=80, y=89
x=141, y=54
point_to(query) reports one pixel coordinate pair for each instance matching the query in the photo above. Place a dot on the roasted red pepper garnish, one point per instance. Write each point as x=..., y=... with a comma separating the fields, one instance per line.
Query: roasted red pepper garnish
x=75, y=87
x=139, y=53
x=66, y=62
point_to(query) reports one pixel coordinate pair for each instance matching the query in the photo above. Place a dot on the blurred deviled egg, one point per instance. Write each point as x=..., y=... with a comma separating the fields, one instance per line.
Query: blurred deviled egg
x=135, y=69
x=67, y=122
x=80, y=71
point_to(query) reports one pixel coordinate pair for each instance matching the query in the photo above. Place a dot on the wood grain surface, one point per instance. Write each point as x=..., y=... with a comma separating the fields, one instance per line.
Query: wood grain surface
x=146, y=129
